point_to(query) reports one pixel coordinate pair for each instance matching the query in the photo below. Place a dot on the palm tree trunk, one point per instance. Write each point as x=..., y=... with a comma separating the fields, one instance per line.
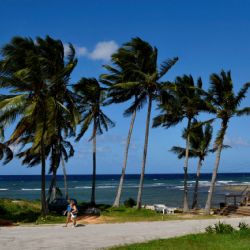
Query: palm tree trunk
x=119, y=190
x=52, y=188
x=65, y=180
x=185, y=199
x=212, y=185
x=195, y=199
x=92, y=201
x=43, y=180
x=139, y=197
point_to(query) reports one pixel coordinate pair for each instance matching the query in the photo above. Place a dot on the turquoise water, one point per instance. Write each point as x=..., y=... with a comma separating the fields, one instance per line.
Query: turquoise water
x=158, y=188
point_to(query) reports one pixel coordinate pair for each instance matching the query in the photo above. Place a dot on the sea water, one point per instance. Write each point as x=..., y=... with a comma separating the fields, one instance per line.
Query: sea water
x=158, y=188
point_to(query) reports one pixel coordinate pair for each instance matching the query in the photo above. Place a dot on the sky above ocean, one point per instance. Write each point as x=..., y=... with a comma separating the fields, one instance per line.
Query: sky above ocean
x=207, y=36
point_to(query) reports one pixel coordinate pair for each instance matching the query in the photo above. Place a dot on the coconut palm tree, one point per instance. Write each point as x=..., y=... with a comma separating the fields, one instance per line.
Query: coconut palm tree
x=28, y=71
x=186, y=103
x=139, y=76
x=225, y=104
x=90, y=100
x=200, y=138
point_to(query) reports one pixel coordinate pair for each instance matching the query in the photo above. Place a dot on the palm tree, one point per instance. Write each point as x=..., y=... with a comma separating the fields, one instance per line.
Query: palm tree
x=90, y=99
x=186, y=102
x=28, y=70
x=200, y=138
x=139, y=76
x=225, y=104
x=118, y=93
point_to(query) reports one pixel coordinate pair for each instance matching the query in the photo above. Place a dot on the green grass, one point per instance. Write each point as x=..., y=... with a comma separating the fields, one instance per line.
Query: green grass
x=19, y=211
x=237, y=240
x=22, y=211
x=123, y=214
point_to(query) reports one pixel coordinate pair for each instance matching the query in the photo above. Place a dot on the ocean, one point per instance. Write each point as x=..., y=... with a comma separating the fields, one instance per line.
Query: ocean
x=158, y=188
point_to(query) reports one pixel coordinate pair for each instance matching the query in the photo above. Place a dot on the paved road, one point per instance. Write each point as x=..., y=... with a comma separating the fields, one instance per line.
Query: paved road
x=99, y=236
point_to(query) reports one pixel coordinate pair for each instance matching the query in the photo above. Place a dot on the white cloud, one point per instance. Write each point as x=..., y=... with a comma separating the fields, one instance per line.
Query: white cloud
x=80, y=51
x=103, y=50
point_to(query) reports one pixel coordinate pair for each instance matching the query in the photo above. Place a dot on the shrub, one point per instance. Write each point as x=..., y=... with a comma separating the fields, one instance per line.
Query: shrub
x=209, y=229
x=220, y=228
x=129, y=202
x=243, y=226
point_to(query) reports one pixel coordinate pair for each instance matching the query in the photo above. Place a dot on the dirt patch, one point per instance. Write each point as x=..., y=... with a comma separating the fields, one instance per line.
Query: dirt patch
x=93, y=219
x=6, y=223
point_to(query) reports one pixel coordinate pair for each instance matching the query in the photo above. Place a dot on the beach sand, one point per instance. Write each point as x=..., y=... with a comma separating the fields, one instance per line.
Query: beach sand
x=96, y=236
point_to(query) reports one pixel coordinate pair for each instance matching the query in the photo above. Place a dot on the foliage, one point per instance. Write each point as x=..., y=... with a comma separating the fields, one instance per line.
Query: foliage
x=90, y=97
x=25, y=212
x=19, y=210
x=220, y=228
x=5, y=152
x=243, y=226
x=129, y=202
x=135, y=74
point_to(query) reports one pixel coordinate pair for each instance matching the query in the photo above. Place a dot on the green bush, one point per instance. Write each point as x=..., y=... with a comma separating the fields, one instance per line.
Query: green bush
x=220, y=228
x=129, y=202
x=243, y=226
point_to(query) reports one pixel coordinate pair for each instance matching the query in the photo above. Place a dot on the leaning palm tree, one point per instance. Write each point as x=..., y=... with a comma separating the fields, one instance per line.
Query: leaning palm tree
x=186, y=103
x=139, y=76
x=121, y=81
x=90, y=99
x=200, y=138
x=225, y=104
x=116, y=94
x=27, y=69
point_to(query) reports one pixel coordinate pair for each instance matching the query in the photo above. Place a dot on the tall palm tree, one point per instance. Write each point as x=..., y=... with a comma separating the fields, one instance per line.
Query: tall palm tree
x=118, y=93
x=90, y=99
x=225, y=104
x=28, y=71
x=139, y=76
x=200, y=138
x=186, y=102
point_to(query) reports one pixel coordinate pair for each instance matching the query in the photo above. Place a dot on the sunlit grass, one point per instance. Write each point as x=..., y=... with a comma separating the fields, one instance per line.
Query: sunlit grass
x=235, y=241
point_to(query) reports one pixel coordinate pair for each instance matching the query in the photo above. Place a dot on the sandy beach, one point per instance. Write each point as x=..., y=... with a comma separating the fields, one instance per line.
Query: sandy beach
x=100, y=236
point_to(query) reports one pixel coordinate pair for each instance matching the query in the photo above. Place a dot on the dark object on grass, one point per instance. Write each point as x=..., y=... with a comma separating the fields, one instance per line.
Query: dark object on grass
x=92, y=211
x=58, y=205
x=129, y=202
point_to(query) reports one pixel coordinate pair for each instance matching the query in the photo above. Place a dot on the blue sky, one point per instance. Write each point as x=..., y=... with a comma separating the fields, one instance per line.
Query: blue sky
x=207, y=36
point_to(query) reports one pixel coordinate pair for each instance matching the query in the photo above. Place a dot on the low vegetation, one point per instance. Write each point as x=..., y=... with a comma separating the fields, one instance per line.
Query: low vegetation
x=22, y=211
x=223, y=236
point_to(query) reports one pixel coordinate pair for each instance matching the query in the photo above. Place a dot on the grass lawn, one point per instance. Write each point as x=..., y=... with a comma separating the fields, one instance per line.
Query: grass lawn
x=22, y=211
x=124, y=214
x=238, y=240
